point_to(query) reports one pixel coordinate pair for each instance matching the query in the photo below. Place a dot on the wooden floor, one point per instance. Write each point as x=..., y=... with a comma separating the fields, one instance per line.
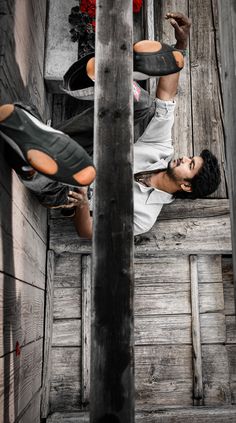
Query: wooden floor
x=164, y=310
x=23, y=223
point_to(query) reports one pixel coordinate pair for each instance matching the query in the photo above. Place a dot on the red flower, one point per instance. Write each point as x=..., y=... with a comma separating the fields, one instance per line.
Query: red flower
x=89, y=6
x=137, y=4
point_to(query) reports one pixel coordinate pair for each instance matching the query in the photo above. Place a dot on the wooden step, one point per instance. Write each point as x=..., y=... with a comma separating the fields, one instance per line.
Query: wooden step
x=180, y=415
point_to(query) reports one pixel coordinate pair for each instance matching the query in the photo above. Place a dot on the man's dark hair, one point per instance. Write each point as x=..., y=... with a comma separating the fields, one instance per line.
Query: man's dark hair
x=207, y=179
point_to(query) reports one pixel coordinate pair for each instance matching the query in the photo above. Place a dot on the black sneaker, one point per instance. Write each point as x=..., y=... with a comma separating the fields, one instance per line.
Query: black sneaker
x=49, y=151
x=151, y=58
x=76, y=81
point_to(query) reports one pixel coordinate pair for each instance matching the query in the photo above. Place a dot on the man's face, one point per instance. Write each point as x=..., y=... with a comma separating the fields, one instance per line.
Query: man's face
x=184, y=168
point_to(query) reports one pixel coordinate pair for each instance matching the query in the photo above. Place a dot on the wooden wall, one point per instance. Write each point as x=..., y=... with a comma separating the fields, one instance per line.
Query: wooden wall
x=23, y=223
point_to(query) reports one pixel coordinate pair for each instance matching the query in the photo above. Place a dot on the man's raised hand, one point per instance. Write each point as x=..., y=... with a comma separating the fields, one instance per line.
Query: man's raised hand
x=181, y=24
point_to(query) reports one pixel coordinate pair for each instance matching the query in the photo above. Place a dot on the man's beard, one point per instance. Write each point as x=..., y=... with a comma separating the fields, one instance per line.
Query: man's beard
x=171, y=172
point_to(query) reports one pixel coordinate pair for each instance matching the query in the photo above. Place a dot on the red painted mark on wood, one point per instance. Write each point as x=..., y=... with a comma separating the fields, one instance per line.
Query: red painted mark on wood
x=17, y=348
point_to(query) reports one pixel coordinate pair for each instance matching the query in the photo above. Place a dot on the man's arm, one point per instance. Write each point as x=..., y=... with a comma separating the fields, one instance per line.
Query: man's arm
x=82, y=218
x=167, y=85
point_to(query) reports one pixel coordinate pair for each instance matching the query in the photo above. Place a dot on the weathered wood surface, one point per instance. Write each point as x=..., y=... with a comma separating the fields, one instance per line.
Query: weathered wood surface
x=227, y=16
x=23, y=309
x=65, y=392
x=112, y=366
x=231, y=349
x=70, y=265
x=175, y=236
x=172, y=415
x=22, y=251
x=205, y=87
x=21, y=378
x=228, y=283
x=32, y=412
x=48, y=335
x=67, y=303
x=182, y=131
x=86, y=326
x=196, y=334
x=61, y=52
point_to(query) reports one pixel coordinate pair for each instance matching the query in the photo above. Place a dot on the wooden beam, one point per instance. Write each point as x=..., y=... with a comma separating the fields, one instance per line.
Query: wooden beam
x=112, y=384
x=196, y=335
x=227, y=21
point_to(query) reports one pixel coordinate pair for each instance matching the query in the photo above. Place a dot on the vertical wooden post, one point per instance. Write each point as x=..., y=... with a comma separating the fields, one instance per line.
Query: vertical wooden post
x=227, y=25
x=112, y=384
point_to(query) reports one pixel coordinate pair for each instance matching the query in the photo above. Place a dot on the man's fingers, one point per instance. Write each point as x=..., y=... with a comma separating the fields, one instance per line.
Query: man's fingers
x=174, y=23
x=180, y=17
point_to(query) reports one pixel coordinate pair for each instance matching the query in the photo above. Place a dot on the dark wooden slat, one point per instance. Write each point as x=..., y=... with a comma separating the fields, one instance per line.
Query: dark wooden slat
x=227, y=19
x=112, y=385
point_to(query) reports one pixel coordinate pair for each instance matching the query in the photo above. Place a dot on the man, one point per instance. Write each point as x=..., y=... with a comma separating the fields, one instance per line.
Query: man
x=158, y=179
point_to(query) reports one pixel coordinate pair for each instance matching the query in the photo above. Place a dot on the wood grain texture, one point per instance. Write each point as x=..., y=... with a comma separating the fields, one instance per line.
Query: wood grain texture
x=66, y=333
x=205, y=87
x=163, y=415
x=86, y=326
x=209, y=269
x=196, y=334
x=48, y=334
x=32, y=412
x=195, y=208
x=158, y=270
x=67, y=303
x=21, y=377
x=163, y=375
x=182, y=130
x=231, y=349
x=65, y=391
x=61, y=52
x=112, y=366
x=216, y=379
x=22, y=306
x=177, y=237
x=70, y=265
x=22, y=251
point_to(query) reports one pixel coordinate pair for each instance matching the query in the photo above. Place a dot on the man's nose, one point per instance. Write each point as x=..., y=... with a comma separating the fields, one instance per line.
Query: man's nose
x=186, y=159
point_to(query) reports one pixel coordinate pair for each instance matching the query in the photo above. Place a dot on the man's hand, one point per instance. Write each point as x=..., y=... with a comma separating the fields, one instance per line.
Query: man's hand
x=79, y=197
x=181, y=23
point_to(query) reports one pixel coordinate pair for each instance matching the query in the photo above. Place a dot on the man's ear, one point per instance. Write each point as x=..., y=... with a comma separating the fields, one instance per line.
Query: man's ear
x=186, y=187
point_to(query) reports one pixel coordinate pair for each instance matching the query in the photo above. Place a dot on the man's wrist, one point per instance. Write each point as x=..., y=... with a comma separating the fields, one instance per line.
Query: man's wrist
x=181, y=45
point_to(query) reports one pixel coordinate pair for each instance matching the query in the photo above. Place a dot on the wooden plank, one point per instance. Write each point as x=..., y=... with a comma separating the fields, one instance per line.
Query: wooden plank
x=231, y=349
x=22, y=251
x=207, y=207
x=86, y=327
x=67, y=271
x=67, y=303
x=205, y=87
x=149, y=271
x=211, y=298
x=163, y=330
x=20, y=377
x=24, y=200
x=230, y=329
x=66, y=333
x=65, y=390
x=213, y=328
x=61, y=52
x=177, y=236
x=163, y=375
x=196, y=334
x=165, y=298
x=209, y=269
x=148, y=18
x=48, y=335
x=166, y=237
x=112, y=384
x=227, y=15
x=168, y=415
x=182, y=131
x=32, y=412
x=22, y=311
x=215, y=375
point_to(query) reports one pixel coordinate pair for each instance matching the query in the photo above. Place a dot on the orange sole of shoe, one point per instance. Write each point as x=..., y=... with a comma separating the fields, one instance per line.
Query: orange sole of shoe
x=48, y=166
x=5, y=111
